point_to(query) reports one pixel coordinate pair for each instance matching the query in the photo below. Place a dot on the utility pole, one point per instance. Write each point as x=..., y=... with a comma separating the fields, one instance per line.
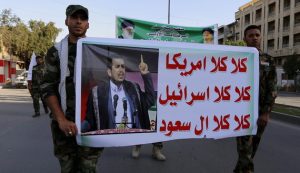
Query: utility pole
x=168, y=11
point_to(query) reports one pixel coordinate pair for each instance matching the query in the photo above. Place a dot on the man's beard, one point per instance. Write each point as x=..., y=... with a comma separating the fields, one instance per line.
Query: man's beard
x=127, y=35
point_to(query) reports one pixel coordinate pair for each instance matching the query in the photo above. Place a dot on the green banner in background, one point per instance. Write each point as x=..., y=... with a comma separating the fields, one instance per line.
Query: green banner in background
x=137, y=29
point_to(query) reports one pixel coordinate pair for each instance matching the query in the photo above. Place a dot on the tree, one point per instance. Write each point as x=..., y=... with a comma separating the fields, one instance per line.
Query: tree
x=7, y=22
x=8, y=19
x=42, y=36
x=291, y=65
x=21, y=40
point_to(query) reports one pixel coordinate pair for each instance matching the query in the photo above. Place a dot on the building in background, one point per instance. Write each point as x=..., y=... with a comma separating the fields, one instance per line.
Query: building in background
x=8, y=66
x=279, y=21
x=227, y=32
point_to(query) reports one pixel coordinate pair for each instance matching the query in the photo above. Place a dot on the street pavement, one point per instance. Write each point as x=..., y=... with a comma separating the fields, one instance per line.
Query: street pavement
x=26, y=146
x=287, y=98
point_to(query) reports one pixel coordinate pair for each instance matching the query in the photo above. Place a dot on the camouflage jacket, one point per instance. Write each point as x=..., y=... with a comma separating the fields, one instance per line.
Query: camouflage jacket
x=52, y=78
x=267, y=83
x=37, y=76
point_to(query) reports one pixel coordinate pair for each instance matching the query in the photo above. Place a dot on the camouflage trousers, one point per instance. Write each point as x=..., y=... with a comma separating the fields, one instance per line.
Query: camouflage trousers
x=36, y=95
x=247, y=147
x=72, y=157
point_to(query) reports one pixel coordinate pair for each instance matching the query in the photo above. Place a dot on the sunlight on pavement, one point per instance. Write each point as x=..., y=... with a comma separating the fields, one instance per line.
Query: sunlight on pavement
x=14, y=95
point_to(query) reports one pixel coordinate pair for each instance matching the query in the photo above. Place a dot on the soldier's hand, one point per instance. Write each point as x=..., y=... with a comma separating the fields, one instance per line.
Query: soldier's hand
x=263, y=119
x=29, y=85
x=68, y=127
x=143, y=66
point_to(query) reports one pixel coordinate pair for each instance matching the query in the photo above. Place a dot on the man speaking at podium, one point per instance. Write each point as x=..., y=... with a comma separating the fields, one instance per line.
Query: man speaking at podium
x=118, y=103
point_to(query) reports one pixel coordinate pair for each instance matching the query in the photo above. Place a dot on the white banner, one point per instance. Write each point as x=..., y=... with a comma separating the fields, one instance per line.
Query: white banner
x=185, y=90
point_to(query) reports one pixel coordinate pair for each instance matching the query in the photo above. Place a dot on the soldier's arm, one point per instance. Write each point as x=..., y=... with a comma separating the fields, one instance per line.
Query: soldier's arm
x=49, y=89
x=51, y=78
x=68, y=127
x=33, y=80
x=271, y=93
x=29, y=85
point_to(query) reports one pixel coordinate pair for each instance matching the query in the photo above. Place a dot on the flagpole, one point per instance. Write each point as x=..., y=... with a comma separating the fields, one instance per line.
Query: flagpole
x=168, y=11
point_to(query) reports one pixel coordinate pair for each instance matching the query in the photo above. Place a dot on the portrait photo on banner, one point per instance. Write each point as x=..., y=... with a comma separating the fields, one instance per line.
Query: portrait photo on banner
x=118, y=89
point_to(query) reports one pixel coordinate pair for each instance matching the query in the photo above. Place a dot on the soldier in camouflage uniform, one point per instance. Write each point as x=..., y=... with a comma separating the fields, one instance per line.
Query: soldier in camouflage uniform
x=37, y=76
x=247, y=145
x=59, y=90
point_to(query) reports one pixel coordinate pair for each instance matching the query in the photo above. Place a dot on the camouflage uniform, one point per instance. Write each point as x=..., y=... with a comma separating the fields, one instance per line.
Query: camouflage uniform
x=37, y=76
x=72, y=157
x=247, y=145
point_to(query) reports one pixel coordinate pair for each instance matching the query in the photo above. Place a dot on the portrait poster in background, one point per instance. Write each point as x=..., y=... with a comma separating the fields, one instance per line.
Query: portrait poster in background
x=200, y=91
x=145, y=30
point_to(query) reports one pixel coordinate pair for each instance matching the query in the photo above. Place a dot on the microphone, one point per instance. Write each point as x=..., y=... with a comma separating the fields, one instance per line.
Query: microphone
x=135, y=105
x=125, y=118
x=125, y=106
x=134, y=125
x=116, y=98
